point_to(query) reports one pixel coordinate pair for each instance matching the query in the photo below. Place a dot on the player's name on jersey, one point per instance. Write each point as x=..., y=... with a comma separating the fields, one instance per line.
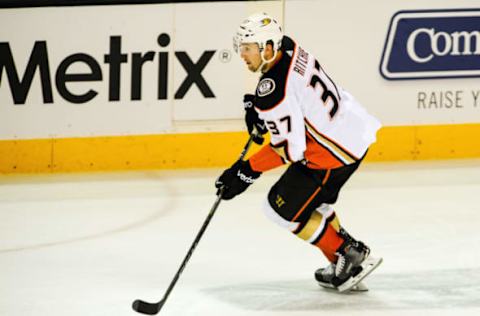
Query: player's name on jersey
x=301, y=61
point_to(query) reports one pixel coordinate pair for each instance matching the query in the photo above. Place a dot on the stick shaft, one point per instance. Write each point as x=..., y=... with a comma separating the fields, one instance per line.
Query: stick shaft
x=202, y=229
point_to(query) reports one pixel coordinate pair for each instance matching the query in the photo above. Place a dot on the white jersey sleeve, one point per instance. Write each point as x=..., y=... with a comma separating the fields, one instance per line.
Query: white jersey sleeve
x=286, y=126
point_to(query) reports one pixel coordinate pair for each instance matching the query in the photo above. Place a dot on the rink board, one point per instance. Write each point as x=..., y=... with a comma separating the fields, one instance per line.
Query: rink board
x=125, y=86
x=172, y=151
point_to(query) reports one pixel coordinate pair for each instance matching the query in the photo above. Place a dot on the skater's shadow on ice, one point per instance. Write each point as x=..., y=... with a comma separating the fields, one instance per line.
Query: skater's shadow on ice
x=420, y=290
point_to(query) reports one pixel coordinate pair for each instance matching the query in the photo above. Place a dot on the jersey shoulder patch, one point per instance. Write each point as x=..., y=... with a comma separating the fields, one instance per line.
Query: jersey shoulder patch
x=271, y=87
x=265, y=87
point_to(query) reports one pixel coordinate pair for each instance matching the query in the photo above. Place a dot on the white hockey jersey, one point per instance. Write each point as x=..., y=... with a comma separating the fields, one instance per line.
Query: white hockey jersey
x=308, y=116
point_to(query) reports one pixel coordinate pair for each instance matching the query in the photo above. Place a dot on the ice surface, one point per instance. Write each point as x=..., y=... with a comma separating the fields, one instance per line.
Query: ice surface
x=89, y=244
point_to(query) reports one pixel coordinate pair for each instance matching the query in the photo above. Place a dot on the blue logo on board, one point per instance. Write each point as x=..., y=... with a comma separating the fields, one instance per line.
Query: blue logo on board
x=432, y=44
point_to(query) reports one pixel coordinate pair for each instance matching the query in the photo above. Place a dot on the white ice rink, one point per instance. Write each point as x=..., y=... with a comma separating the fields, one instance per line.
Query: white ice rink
x=89, y=244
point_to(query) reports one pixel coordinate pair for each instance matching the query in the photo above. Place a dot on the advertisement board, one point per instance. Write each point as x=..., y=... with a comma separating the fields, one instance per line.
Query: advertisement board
x=120, y=69
x=125, y=86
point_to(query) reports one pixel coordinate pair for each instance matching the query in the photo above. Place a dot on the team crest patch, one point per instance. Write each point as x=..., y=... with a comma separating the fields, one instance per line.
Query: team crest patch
x=265, y=87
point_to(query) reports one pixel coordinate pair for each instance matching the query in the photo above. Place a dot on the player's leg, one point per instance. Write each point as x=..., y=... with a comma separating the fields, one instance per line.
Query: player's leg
x=352, y=253
x=293, y=204
x=299, y=201
x=344, y=252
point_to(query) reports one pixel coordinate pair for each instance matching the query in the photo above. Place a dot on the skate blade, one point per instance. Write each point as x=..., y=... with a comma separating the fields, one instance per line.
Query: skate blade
x=359, y=287
x=368, y=266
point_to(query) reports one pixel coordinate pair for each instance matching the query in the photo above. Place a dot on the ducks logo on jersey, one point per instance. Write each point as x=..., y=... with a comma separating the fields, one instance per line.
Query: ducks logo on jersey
x=265, y=87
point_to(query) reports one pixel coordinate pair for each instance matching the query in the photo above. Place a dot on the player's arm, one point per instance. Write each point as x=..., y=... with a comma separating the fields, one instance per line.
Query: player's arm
x=284, y=120
x=287, y=131
x=266, y=159
x=255, y=126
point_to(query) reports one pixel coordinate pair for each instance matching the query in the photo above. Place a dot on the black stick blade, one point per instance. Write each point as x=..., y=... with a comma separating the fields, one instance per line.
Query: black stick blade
x=147, y=308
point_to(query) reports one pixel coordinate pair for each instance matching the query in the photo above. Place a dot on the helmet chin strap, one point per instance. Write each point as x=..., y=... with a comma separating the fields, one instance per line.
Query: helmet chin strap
x=265, y=61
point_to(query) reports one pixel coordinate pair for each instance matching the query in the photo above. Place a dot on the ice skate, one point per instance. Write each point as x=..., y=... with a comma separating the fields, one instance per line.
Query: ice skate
x=353, y=265
x=366, y=267
x=324, y=278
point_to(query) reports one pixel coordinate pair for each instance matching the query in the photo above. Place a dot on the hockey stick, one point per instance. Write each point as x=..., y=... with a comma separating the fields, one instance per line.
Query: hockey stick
x=153, y=308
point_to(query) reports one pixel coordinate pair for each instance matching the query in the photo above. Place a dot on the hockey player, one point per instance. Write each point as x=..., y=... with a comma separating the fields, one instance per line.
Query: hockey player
x=316, y=127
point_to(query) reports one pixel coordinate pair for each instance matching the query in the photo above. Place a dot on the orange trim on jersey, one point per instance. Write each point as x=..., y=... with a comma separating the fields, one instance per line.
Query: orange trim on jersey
x=338, y=146
x=265, y=159
x=318, y=157
x=282, y=145
x=286, y=81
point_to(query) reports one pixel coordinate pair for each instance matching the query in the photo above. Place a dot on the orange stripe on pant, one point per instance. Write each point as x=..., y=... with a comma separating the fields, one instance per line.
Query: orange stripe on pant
x=327, y=175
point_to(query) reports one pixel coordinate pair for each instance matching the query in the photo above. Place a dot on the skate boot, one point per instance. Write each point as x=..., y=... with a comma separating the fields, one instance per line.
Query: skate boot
x=353, y=264
x=351, y=255
x=324, y=278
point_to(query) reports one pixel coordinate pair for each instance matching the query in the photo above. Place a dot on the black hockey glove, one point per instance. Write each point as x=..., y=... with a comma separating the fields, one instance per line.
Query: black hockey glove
x=252, y=120
x=236, y=179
